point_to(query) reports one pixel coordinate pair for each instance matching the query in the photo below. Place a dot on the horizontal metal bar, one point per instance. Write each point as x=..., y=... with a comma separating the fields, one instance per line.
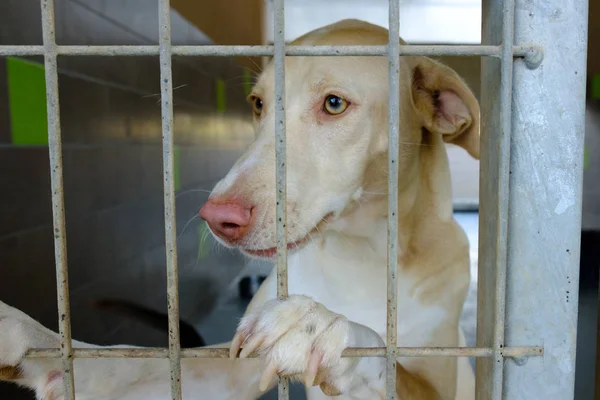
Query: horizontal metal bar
x=21, y=50
x=528, y=51
x=222, y=352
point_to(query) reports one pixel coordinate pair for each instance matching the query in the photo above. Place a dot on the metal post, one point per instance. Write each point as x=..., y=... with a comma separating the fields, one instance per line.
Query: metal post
x=545, y=202
x=58, y=201
x=166, y=89
x=496, y=96
x=281, y=168
x=393, y=154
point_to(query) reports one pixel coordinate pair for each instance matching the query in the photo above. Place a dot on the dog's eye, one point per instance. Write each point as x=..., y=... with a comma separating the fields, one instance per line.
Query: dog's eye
x=335, y=105
x=257, y=105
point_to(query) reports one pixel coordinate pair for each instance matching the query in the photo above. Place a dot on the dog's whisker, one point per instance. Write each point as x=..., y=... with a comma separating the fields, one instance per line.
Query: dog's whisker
x=196, y=216
x=306, y=230
x=204, y=236
x=313, y=239
x=260, y=69
x=158, y=94
x=192, y=191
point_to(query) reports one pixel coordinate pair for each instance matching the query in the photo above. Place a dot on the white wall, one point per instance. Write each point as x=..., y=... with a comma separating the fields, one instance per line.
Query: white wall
x=421, y=21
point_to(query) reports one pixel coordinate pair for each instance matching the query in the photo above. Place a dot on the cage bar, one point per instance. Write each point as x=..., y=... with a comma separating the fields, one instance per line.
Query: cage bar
x=506, y=82
x=58, y=200
x=545, y=201
x=166, y=89
x=519, y=353
x=393, y=155
x=529, y=51
x=283, y=387
x=496, y=107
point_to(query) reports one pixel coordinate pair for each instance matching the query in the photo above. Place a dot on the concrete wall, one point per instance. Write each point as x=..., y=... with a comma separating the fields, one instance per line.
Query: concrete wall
x=111, y=125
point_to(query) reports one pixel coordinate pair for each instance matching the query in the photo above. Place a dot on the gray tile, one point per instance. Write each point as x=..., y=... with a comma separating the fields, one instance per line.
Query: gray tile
x=25, y=188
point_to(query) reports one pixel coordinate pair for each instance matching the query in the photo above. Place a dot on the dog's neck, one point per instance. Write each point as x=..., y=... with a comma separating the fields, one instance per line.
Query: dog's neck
x=424, y=199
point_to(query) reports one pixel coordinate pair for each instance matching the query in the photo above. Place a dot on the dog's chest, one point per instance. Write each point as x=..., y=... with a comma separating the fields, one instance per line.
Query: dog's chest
x=353, y=288
x=353, y=282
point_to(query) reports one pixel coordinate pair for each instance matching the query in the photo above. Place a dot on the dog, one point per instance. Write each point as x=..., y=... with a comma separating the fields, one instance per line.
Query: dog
x=337, y=161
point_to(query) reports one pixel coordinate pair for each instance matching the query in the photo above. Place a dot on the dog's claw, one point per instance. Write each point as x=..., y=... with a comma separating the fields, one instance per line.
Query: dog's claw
x=252, y=345
x=236, y=344
x=267, y=377
x=311, y=370
x=298, y=338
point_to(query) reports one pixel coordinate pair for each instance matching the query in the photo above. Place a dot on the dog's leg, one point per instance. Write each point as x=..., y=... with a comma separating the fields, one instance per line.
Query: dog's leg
x=123, y=379
x=298, y=338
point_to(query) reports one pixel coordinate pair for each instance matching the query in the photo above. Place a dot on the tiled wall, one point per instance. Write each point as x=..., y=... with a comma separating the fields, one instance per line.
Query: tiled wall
x=110, y=118
x=591, y=174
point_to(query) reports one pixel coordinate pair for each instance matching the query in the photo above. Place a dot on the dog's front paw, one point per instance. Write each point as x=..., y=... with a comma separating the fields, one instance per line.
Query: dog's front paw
x=14, y=340
x=18, y=334
x=12, y=346
x=300, y=339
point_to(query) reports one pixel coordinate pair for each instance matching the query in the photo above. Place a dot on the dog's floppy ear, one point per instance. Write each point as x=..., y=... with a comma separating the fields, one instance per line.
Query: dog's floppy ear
x=446, y=104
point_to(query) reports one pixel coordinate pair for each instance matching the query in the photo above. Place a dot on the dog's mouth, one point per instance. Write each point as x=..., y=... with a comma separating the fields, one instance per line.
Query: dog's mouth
x=292, y=246
x=272, y=251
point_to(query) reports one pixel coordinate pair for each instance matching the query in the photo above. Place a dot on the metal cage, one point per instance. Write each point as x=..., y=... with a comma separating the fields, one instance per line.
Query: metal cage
x=532, y=141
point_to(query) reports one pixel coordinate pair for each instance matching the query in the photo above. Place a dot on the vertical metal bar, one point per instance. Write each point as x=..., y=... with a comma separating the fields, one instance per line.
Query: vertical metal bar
x=545, y=203
x=58, y=201
x=498, y=25
x=506, y=82
x=280, y=148
x=393, y=149
x=166, y=86
x=280, y=161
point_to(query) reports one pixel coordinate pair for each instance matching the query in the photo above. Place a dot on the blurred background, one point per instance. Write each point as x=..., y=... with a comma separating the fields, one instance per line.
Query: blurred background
x=111, y=126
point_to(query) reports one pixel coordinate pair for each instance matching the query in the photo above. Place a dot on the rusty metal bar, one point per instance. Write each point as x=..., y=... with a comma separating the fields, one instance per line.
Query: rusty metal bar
x=496, y=111
x=524, y=51
x=393, y=156
x=280, y=151
x=283, y=387
x=58, y=201
x=223, y=352
x=506, y=82
x=166, y=89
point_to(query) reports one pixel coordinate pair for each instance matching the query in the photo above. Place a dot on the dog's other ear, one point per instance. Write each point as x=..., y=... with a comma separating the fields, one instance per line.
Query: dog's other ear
x=446, y=104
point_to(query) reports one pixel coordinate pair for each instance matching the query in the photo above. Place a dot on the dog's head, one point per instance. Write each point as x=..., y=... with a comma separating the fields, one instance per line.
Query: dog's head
x=337, y=138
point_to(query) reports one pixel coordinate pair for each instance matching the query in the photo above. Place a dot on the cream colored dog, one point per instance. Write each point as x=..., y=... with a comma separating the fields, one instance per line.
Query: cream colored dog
x=337, y=226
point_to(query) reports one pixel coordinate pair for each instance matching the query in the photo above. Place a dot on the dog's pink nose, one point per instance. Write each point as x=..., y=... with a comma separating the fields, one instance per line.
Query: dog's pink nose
x=229, y=220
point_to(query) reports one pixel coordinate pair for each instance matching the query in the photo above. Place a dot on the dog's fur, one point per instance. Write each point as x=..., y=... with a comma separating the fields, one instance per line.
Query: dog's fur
x=337, y=198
